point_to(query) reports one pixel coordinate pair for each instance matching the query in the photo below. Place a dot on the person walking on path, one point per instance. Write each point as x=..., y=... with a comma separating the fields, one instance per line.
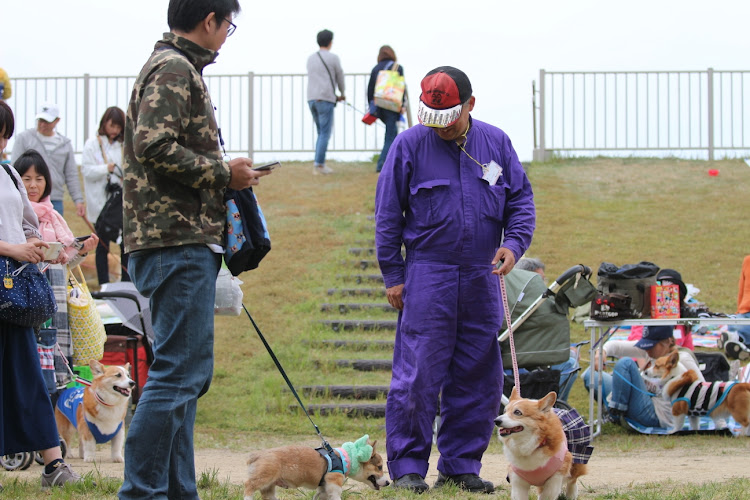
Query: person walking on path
x=324, y=74
x=454, y=194
x=174, y=218
x=386, y=60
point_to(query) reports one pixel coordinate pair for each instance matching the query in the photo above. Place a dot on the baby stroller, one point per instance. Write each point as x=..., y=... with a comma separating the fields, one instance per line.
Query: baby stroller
x=541, y=331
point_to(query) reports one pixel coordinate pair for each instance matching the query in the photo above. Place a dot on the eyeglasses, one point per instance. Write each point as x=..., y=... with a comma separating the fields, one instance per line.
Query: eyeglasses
x=231, y=27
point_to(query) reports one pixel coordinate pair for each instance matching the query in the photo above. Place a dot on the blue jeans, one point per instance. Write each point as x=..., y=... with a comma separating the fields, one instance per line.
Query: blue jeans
x=181, y=284
x=58, y=206
x=743, y=331
x=390, y=118
x=322, y=112
x=629, y=393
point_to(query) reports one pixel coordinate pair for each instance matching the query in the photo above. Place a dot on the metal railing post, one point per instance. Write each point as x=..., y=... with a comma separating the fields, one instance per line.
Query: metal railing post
x=541, y=153
x=710, y=87
x=250, y=117
x=86, y=105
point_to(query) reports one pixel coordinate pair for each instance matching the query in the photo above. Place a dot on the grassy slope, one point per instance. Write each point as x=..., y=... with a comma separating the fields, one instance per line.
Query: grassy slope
x=589, y=210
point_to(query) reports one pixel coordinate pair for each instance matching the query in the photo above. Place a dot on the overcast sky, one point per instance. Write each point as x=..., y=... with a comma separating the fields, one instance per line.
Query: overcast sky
x=501, y=45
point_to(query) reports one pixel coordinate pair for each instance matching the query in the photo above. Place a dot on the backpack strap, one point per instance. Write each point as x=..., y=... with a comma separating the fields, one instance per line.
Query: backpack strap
x=329, y=74
x=15, y=182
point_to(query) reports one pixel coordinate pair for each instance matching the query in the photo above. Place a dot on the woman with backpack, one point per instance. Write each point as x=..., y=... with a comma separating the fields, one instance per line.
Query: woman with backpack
x=386, y=61
x=101, y=167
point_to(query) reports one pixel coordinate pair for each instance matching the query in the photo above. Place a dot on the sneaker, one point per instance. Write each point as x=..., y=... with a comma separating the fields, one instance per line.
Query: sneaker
x=727, y=337
x=413, y=482
x=613, y=416
x=61, y=475
x=467, y=482
x=736, y=350
x=321, y=169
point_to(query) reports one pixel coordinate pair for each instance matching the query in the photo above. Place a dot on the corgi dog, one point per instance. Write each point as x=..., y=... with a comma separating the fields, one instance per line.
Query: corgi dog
x=536, y=447
x=97, y=411
x=326, y=471
x=692, y=397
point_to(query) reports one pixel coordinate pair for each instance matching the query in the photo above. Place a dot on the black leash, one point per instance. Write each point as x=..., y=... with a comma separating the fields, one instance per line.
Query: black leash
x=288, y=382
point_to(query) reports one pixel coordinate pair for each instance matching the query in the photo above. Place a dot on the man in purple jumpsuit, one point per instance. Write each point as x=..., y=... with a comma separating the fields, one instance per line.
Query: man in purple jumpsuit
x=453, y=192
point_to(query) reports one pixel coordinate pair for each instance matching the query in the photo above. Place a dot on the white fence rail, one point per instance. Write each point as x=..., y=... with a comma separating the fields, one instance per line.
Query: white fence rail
x=699, y=113
x=257, y=113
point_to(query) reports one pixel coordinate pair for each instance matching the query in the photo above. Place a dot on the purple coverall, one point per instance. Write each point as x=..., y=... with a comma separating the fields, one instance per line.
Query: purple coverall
x=431, y=197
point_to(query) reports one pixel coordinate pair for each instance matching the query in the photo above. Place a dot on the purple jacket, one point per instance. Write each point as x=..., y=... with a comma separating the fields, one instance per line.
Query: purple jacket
x=431, y=197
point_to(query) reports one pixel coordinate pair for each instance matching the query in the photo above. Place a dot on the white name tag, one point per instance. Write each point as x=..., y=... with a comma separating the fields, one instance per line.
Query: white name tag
x=492, y=172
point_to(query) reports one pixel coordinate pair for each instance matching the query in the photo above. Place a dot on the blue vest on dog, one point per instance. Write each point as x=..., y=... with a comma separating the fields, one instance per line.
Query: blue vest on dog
x=68, y=403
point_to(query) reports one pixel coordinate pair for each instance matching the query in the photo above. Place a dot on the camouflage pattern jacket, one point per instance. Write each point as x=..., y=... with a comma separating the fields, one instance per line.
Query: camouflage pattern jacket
x=173, y=176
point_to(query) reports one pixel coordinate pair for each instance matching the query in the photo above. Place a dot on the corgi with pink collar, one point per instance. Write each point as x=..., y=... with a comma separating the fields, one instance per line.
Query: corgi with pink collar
x=536, y=446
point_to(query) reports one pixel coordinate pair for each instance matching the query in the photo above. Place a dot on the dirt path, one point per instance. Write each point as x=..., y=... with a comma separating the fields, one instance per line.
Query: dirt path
x=606, y=470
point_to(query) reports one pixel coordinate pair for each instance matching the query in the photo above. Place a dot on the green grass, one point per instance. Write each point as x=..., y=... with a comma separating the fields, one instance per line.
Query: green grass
x=669, y=212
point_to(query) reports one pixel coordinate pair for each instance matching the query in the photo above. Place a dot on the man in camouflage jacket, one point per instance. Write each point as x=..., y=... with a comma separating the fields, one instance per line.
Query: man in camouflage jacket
x=174, y=215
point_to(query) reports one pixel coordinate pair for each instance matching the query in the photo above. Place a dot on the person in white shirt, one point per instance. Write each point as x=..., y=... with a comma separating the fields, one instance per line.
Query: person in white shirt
x=101, y=163
x=626, y=392
x=57, y=151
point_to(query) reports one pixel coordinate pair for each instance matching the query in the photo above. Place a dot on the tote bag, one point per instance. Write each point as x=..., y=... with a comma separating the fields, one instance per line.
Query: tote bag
x=389, y=89
x=84, y=321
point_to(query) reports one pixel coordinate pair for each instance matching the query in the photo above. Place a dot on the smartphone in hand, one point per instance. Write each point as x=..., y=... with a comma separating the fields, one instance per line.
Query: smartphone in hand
x=268, y=166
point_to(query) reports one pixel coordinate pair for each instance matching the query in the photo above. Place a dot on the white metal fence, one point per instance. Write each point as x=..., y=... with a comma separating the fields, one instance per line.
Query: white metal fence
x=257, y=113
x=699, y=113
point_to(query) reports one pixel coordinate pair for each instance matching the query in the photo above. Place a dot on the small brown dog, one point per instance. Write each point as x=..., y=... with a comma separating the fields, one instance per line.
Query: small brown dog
x=536, y=447
x=97, y=411
x=692, y=398
x=301, y=466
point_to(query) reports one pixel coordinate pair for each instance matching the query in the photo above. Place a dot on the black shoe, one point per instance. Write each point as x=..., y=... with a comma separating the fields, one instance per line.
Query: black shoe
x=467, y=482
x=413, y=482
x=736, y=350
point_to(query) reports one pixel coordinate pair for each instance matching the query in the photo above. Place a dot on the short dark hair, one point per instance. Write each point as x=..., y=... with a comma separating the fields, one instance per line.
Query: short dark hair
x=7, y=122
x=184, y=15
x=117, y=117
x=325, y=38
x=32, y=158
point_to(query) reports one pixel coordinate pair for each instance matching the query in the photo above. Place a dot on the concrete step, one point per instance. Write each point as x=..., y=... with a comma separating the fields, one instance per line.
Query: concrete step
x=359, y=324
x=361, y=264
x=360, y=278
x=355, y=345
x=346, y=308
x=357, y=292
x=362, y=251
x=346, y=391
x=360, y=365
x=372, y=410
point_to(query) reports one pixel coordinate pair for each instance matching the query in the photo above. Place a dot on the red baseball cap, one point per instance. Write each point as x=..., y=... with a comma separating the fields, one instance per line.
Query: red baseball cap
x=444, y=91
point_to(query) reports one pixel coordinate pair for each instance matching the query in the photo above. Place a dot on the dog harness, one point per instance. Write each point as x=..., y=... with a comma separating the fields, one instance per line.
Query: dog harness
x=539, y=476
x=337, y=460
x=702, y=398
x=68, y=403
x=577, y=442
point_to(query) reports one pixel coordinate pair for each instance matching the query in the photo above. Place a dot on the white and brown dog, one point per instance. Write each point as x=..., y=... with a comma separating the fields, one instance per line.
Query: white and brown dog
x=97, y=411
x=302, y=466
x=694, y=398
x=536, y=447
